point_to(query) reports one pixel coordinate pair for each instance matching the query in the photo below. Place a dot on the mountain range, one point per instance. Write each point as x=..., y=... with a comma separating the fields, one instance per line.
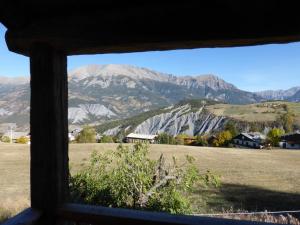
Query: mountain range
x=98, y=93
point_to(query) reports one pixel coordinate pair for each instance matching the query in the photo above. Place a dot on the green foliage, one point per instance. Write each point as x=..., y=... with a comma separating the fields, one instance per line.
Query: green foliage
x=274, y=136
x=5, y=139
x=255, y=127
x=127, y=178
x=287, y=120
x=164, y=138
x=107, y=139
x=231, y=127
x=223, y=139
x=179, y=139
x=22, y=140
x=201, y=141
x=5, y=214
x=86, y=135
x=119, y=137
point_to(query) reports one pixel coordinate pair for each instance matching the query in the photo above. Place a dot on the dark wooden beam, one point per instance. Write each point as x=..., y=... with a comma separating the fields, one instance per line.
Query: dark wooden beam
x=49, y=129
x=86, y=28
x=112, y=216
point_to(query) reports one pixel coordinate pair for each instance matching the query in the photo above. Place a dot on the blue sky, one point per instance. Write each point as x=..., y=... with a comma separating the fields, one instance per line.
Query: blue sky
x=249, y=68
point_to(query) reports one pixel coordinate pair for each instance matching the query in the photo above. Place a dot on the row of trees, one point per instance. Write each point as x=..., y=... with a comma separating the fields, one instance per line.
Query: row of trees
x=221, y=139
x=88, y=135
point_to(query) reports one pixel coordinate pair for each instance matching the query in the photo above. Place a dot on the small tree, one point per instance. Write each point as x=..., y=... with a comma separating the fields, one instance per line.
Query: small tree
x=128, y=178
x=201, y=140
x=5, y=139
x=164, y=138
x=274, y=136
x=179, y=139
x=22, y=140
x=223, y=138
x=107, y=139
x=86, y=135
x=287, y=120
x=231, y=127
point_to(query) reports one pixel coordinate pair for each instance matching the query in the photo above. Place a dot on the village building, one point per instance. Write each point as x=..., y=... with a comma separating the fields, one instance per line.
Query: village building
x=290, y=141
x=74, y=133
x=134, y=138
x=71, y=136
x=15, y=135
x=249, y=140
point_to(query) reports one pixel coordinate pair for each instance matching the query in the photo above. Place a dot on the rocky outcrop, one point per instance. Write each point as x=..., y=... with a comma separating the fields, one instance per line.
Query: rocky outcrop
x=182, y=120
x=85, y=111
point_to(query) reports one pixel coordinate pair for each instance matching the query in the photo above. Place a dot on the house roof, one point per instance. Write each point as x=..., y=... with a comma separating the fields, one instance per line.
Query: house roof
x=293, y=137
x=255, y=136
x=89, y=27
x=141, y=136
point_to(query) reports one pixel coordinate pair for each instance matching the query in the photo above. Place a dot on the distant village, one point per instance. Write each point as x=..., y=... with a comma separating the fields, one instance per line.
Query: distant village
x=251, y=140
x=254, y=140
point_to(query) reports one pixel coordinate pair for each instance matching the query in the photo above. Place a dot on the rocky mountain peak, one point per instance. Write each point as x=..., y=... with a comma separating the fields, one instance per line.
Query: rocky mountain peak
x=111, y=70
x=214, y=82
x=139, y=73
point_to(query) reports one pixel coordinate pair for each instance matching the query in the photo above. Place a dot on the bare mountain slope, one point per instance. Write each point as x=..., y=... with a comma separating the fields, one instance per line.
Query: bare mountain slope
x=98, y=93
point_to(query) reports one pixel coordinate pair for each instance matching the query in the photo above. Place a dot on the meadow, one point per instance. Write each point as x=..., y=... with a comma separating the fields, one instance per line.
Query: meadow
x=258, y=112
x=252, y=180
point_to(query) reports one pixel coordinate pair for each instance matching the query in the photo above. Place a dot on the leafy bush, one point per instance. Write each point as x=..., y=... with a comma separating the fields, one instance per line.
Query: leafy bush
x=22, y=140
x=127, y=178
x=164, y=138
x=201, y=141
x=223, y=139
x=231, y=127
x=287, y=121
x=86, y=135
x=107, y=139
x=274, y=136
x=179, y=139
x=5, y=139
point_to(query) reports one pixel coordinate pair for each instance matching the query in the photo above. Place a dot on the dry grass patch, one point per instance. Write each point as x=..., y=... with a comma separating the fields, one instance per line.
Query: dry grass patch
x=252, y=179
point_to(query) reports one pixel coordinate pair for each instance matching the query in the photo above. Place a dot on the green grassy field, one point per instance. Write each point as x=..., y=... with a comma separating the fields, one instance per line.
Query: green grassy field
x=251, y=179
x=258, y=112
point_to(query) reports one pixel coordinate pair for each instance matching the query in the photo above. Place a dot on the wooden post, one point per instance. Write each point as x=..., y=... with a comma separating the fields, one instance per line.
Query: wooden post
x=49, y=130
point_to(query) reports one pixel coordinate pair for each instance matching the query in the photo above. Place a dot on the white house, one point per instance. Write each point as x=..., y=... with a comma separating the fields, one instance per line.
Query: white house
x=133, y=138
x=249, y=140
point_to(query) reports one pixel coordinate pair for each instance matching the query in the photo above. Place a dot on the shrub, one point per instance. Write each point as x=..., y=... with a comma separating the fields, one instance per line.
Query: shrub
x=107, y=139
x=179, y=139
x=274, y=136
x=128, y=178
x=164, y=138
x=5, y=139
x=86, y=135
x=223, y=139
x=201, y=141
x=231, y=127
x=22, y=140
x=287, y=121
